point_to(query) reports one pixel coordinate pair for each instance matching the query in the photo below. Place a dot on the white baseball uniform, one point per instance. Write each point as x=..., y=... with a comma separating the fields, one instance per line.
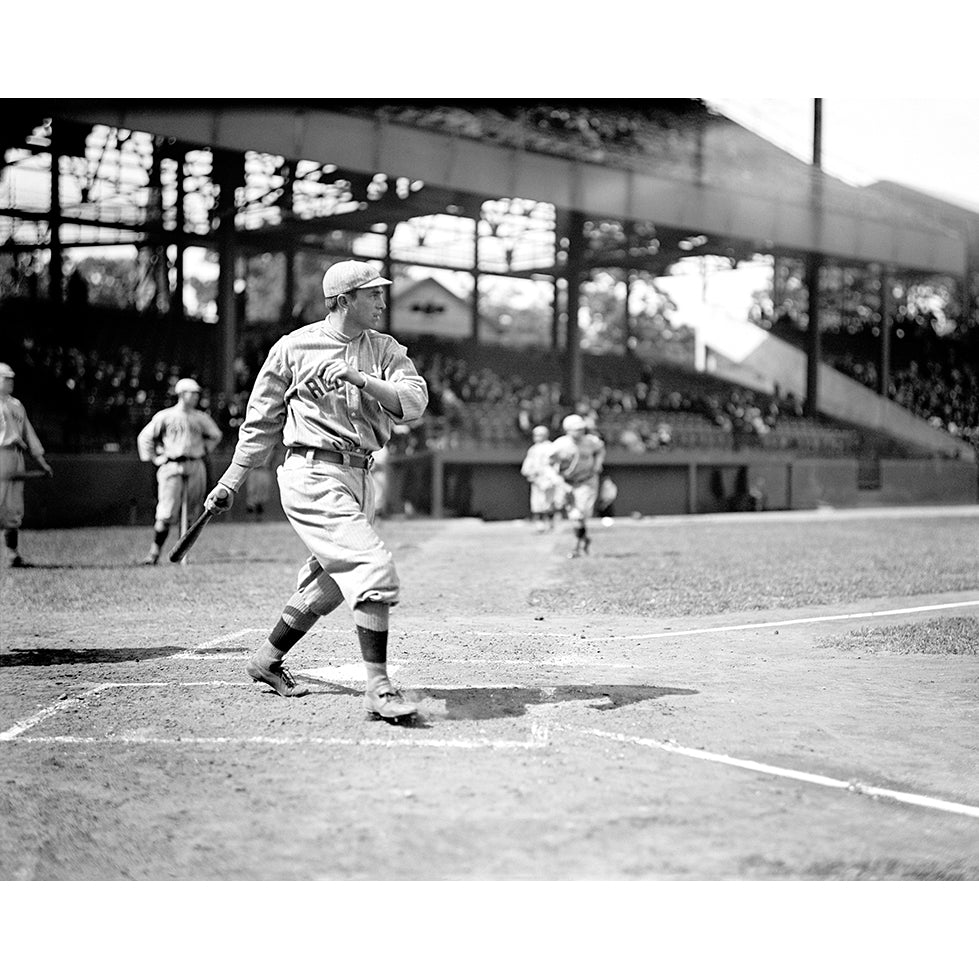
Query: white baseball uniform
x=17, y=435
x=177, y=439
x=580, y=464
x=544, y=481
x=330, y=504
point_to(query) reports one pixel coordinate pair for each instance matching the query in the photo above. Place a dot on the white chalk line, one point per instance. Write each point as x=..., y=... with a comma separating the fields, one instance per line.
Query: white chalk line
x=754, y=766
x=773, y=623
x=533, y=743
x=539, y=735
x=201, y=651
x=59, y=705
x=201, y=647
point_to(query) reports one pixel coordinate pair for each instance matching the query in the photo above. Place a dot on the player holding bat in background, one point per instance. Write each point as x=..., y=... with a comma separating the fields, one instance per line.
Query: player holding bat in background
x=332, y=391
x=17, y=437
x=176, y=440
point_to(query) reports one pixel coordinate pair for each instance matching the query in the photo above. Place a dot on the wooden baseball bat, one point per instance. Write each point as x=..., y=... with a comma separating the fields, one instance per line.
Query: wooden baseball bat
x=188, y=539
x=27, y=474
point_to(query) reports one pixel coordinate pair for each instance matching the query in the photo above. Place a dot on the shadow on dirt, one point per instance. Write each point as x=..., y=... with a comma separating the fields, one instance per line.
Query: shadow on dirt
x=319, y=687
x=484, y=703
x=61, y=657
x=487, y=703
x=82, y=566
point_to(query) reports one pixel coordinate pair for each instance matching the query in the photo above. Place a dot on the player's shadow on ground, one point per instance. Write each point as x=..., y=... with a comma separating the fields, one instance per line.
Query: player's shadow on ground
x=65, y=657
x=488, y=703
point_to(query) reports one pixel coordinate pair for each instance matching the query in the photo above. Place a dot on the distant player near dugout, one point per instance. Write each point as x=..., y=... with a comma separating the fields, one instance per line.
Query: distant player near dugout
x=579, y=457
x=17, y=437
x=176, y=440
x=545, y=483
x=332, y=391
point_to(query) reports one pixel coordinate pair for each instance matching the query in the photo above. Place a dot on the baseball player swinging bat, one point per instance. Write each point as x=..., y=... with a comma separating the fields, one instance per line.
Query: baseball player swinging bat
x=189, y=538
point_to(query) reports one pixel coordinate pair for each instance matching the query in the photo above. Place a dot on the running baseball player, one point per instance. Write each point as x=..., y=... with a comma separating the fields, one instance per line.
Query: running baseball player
x=579, y=456
x=176, y=440
x=17, y=437
x=332, y=391
x=545, y=483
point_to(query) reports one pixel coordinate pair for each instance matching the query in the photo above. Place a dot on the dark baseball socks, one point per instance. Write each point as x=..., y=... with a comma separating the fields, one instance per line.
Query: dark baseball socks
x=371, y=620
x=159, y=538
x=320, y=596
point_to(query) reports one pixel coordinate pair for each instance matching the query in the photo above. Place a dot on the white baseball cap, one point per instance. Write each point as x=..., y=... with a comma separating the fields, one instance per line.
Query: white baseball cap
x=573, y=423
x=187, y=384
x=347, y=276
x=541, y=430
x=6, y=370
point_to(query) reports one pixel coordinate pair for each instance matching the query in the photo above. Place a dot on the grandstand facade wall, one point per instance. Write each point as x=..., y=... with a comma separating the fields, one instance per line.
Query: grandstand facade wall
x=107, y=489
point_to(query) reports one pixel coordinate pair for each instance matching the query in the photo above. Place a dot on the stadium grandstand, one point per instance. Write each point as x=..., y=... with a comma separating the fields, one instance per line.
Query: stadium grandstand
x=527, y=244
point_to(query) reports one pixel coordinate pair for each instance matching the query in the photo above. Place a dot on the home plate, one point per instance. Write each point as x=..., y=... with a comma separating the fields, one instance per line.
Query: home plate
x=345, y=673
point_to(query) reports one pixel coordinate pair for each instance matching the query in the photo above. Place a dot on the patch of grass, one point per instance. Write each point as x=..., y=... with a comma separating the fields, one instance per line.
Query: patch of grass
x=958, y=636
x=710, y=568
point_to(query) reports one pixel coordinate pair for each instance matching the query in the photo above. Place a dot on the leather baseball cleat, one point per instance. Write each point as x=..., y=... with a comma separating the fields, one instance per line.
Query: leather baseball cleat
x=277, y=677
x=388, y=704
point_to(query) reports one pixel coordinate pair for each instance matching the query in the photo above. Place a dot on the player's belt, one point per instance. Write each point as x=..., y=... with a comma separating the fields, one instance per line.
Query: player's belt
x=355, y=460
x=184, y=458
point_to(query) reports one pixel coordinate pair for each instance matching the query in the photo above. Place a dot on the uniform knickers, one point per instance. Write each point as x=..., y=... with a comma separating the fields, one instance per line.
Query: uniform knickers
x=11, y=490
x=331, y=508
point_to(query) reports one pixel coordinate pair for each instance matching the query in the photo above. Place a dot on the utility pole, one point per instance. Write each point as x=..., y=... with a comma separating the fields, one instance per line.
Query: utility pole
x=814, y=264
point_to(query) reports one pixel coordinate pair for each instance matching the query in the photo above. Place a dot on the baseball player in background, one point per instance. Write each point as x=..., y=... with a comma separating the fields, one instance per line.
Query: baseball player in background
x=176, y=440
x=332, y=391
x=545, y=483
x=579, y=456
x=17, y=437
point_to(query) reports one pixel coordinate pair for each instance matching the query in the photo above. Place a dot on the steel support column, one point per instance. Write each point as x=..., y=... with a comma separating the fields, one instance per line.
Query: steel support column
x=813, y=268
x=573, y=381
x=56, y=261
x=886, y=314
x=177, y=310
x=556, y=316
x=386, y=272
x=475, y=295
x=227, y=306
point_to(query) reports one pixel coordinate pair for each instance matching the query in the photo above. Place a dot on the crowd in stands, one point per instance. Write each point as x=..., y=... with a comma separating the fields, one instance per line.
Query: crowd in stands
x=480, y=406
x=933, y=374
x=86, y=401
x=944, y=392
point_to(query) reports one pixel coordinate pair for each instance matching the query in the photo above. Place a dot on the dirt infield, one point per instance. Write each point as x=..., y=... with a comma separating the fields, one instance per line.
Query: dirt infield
x=679, y=705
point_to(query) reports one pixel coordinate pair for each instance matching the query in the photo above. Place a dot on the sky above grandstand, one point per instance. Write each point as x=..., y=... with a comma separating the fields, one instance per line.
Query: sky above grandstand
x=931, y=144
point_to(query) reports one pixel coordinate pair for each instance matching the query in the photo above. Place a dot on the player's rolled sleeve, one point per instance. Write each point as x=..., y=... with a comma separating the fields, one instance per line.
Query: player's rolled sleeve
x=412, y=393
x=410, y=386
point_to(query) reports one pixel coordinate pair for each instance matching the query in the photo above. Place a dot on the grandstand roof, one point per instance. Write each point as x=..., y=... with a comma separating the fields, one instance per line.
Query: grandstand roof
x=706, y=183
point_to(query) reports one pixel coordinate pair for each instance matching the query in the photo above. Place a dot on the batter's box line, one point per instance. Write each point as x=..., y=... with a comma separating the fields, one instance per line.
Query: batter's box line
x=64, y=703
x=539, y=733
x=201, y=651
x=538, y=739
x=854, y=786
